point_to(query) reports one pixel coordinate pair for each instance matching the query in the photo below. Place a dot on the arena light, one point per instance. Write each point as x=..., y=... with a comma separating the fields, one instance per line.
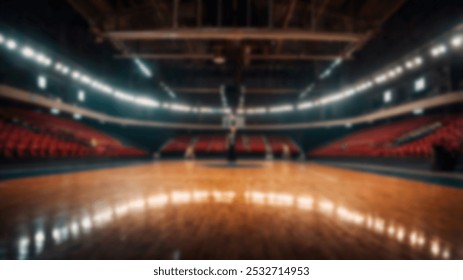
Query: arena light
x=349, y=92
x=75, y=75
x=306, y=91
x=330, y=69
x=327, y=100
x=77, y=116
x=180, y=108
x=456, y=41
x=58, y=66
x=438, y=50
x=305, y=105
x=365, y=85
x=381, y=79
x=81, y=95
x=11, y=44
x=143, y=68
x=63, y=69
x=414, y=63
x=420, y=84
x=27, y=52
x=42, y=82
x=107, y=89
x=206, y=110
x=281, y=108
x=387, y=96
x=418, y=60
x=124, y=96
x=167, y=89
x=85, y=79
x=393, y=73
x=145, y=101
x=325, y=74
x=171, y=93
x=42, y=59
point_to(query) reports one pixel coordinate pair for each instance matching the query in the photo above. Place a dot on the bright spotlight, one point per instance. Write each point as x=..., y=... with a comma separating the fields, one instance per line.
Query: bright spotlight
x=456, y=41
x=438, y=50
x=420, y=84
x=305, y=105
x=206, y=110
x=58, y=66
x=143, y=68
x=11, y=44
x=418, y=61
x=76, y=75
x=387, y=97
x=42, y=82
x=180, y=108
x=145, y=101
x=124, y=96
x=81, y=95
x=65, y=70
x=27, y=52
x=281, y=109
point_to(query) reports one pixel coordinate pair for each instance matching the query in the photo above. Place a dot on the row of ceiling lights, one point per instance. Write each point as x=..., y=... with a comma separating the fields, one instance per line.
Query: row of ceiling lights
x=387, y=75
x=80, y=77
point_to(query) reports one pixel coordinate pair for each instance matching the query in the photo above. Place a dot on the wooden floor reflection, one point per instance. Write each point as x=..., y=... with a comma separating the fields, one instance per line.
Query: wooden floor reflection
x=194, y=210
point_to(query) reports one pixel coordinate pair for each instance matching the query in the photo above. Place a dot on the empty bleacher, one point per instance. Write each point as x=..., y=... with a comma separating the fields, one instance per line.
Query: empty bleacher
x=388, y=140
x=280, y=143
x=177, y=145
x=29, y=134
x=256, y=144
x=210, y=144
x=216, y=144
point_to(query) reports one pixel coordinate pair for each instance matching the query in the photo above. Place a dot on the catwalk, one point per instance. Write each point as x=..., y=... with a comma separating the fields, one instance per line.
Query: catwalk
x=204, y=210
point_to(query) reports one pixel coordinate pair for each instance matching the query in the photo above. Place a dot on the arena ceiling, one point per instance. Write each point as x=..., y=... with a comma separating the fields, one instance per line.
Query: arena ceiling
x=274, y=48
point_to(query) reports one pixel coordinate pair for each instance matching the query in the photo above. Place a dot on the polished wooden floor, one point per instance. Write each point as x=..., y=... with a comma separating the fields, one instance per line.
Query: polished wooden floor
x=203, y=210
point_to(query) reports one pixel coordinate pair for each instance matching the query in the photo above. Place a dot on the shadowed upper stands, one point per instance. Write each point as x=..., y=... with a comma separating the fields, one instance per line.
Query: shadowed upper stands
x=25, y=133
x=408, y=138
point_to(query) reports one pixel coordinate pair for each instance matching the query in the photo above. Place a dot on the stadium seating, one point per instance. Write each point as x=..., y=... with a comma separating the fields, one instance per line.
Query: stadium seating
x=256, y=144
x=217, y=144
x=381, y=141
x=28, y=134
x=177, y=145
x=210, y=144
x=279, y=143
